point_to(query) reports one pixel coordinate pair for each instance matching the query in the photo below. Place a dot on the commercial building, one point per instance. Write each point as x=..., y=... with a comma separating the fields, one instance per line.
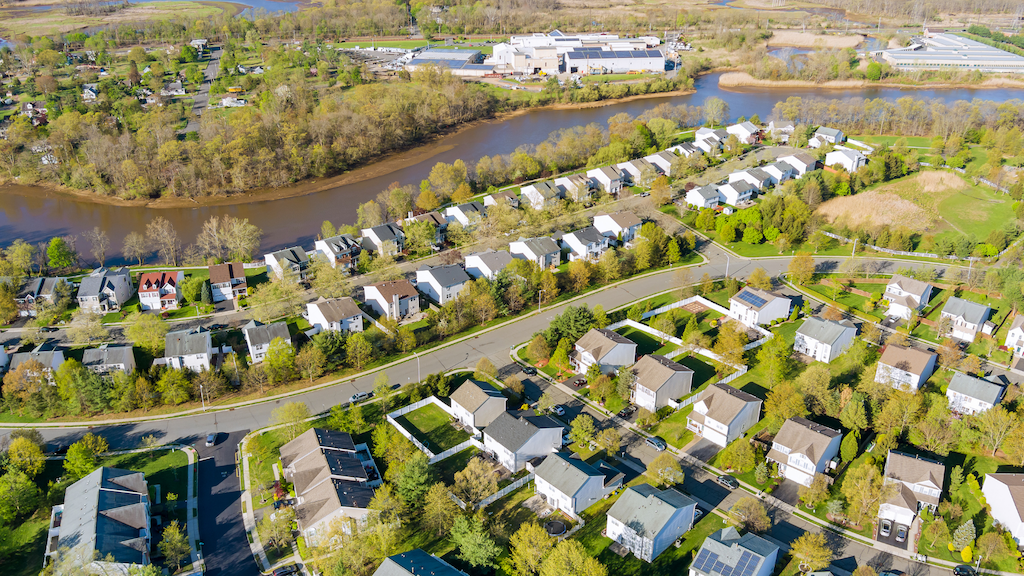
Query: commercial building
x=458, y=62
x=951, y=52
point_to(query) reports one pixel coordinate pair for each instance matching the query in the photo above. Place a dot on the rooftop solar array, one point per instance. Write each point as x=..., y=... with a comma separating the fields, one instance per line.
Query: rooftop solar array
x=752, y=299
x=710, y=563
x=598, y=54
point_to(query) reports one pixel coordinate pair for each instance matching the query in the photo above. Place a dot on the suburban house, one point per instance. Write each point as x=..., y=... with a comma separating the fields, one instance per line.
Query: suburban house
x=752, y=306
x=607, y=178
x=726, y=553
x=745, y=131
x=640, y=172
x=905, y=366
x=160, y=290
x=190, y=349
x=232, y=102
x=435, y=219
x=971, y=395
x=441, y=283
x=258, y=337
x=1004, y=494
x=45, y=354
x=575, y=187
x=542, y=250
x=90, y=92
x=540, y=195
x=723, y=413
x=227, y=281
x=109, y=358
x=919, y=486
x=662, y=161
x=803, y=448
x=487, y=264
x=105, y=290
x=503, y=196
x=619, y=226
x=906, y=295
x=824, y=340
x=172, y=89
x=802, y=162
x=780, y=171
x=829, y=135
x=4, y=358
x=335, y=315
x=416, y=563
x=736, y=193
x=571, y=485
x=685, y=149
x=291, y=263
x=333, y=478
x=515, y=440
x=708, y=139
x=756, y=177
x=585, y=244
x=850, y=160
x=341, y=251
x=467, y=214
x=384, y=239
x=395, y=299
x=657, y=380
x=966, y=318
x=1015, y=335
x=604, y=348
x=33, y=291
x=105, y=518
x=646, y=520
x=781, y=130
x=704, y=197
x=477, y=404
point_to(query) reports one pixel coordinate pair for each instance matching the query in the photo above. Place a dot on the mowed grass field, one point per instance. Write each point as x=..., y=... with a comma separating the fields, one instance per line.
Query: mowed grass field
x=56, y=21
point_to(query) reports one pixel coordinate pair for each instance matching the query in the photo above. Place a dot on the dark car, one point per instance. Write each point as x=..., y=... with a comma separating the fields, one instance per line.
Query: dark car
x=529, y=371
x=48, y=329
x=627, y=411
x=218, y=326
x=283, y=503
x=965, y=570
x=286, y=570
x=729, y=482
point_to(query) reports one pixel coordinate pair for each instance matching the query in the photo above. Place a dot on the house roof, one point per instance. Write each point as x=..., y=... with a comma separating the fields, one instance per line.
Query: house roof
x=44, y=357
x=601, y=341
x=975, y=388
x=782, y=166
x=1015, y=484
x=646, y=510
x=588, y=235
x=512, y=432
x=624, y=219
x=506, y=194
x=608, y=172
x=316, y=439
x=446, y=275
x=495, y=260
x=748, y=126
x=186, y=342
x=337, y=309
x=294, y=255
x=400, y=288
x=825, y=331
x=759, y=174
x=470, y=207
x=105, y=511
x=416, y=563
x=909, y=285
x=225, y=273
x=971, y=312
x=541, y=245
x=327, y=497
x=326, y=472
x=914, y=469
x=154, y=281
x=708, y=191
x=1018, y=322
x=473, y=394
x=852, y=155
x=802, y=436
x=726, y=553
x=343, y=243
x=907, y=359
x=824, y=131
x=259, y=334
x=546, y=189
x=653, y=371
x=754, y=298
x=97, y=282
x=434, y=217
x=105, y=355
x=566, y=473
x=804, y=158
x=385, y=232
x=723, y=402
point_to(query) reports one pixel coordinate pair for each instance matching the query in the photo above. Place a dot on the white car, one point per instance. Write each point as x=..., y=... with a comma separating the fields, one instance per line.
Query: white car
x=886, y=528
x=358, y=397
x=558, y=410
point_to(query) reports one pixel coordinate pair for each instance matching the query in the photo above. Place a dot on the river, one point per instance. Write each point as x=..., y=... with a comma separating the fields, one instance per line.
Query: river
x=34, y=214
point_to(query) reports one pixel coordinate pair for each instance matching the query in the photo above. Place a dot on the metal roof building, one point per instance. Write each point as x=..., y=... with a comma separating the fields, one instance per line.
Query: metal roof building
x=951, y=52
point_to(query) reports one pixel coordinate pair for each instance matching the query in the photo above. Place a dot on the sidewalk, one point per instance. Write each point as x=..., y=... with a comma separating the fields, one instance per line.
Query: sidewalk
x=249, y=513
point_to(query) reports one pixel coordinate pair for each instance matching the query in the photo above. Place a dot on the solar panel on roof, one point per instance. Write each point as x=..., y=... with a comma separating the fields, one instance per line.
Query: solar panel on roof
x=711, y=559
x=698, y=562
x=727, y=571
x=749, y=570
x=751, y=299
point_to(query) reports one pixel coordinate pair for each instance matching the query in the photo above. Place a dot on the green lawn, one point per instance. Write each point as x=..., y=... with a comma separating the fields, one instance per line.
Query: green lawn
x=912, y=141
x=703, y=371
x=673, y=429
x=645, y=343
x=431, y=426
x=447, y=468
x=26, y=544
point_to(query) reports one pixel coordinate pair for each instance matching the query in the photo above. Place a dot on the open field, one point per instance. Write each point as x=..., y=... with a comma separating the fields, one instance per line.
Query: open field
x=810, y=40
x=56, y=21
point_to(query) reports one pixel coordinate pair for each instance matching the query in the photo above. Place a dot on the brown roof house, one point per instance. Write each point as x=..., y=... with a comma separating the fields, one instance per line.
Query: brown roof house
x=919, y=485
x=803, y=448
x=723, y=413
x=905, y=367
x=227, y=281
x=658, y=380
x=333, y=478
x=604, y=348
x=395, y=300
x=477, y=404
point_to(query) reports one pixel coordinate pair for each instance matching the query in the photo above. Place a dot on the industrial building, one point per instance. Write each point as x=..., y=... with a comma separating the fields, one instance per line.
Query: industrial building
x=555, y=52
x=458, y=62
x=951, y=52
x=598, y=61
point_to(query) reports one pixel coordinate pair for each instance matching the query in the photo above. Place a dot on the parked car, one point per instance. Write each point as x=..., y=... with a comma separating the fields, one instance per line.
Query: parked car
x=729, y=482
x=358, y=397
x=284, y=503
x=211, y=439
x=566, y=437
x=886, y=528
x=627, y=411
x=47, y=329
x=901, y=533
x=965, y=570
x=530, y=371
x=657, y=443
x=286, y=570
x=218, y=326
x=558, y=410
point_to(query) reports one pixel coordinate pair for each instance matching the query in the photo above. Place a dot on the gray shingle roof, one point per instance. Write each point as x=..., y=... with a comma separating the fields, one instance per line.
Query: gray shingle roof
x=708, y=192
x=512, y=432
x=259, y=334
x=295, y=256
x=600, y=341
x=625, y=219
x=449, y=275
x=975, y=388
x=971, y=312
x=730, y=547
x=472, y=395
x=495, y=260
x=831, y=132
x=588, y=235
x=910, y=285
x=385, y=232
x=416, y=563
x=724, y=403
x=825, y=331
x=105, y=355
x=105, y=511
x=337, y=309
x=565, y=473
x=342, y=243
x=98, y=280
x=914, y=469
x=653, y=371
x=186, y=342
x=540, y=246
x=753, y=294
x=759, y=174
x=802, y=436
x=647, y=510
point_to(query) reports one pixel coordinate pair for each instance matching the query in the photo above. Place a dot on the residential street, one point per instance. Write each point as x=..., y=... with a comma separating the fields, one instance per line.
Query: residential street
x=222, y=533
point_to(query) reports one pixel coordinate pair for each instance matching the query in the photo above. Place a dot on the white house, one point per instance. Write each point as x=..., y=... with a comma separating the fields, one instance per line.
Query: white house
x=105, y=290
x=753, y=307
x=1015, y=335
x=477, y=404
x=781, y=130
x=802, y=162
x=227, y=281
x=619, y=226
x=233, y=102
x=803, y=448
x=541, y=250
x=441, y=283
x=384, y=239
x=514, y=441
x=336, y=315
x=468, y=214
x=571, y=485
x=503, y=196
x=780, y=171
x=703, y=197
x=919, y=483
x=685, y=149
x=824, y=340
x=575, y=187
x=45, y=354
x=90, y=92
x=160, y=290
x=966, y=318
x=396, y=299
x=487, y=264
x=970, y=395
x=747, y=555
x=708, y=139
x=108, y=358
x=1004, y=494
x=607, y=178
x=905, y=295
x=736, y=193
x=190, y=349
x=756, y=177
x=662, y=161
x=435, y=219
x=640, y=172
x=341, y=251
x=656, y=380
x=258, y=337
x=646, y=520
x=172, y=89
x=745, y=131
x=830, y=135
x=602, y=347
x=288, y=263
x=540, y=195
x=585, y=244
x=723, y=413
x=905, y=367
x=850, y=160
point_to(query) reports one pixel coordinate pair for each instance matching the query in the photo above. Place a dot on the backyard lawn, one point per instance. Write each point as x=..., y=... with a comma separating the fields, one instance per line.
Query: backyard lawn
x=447, y=468
x=645, y=343
x=431, y=426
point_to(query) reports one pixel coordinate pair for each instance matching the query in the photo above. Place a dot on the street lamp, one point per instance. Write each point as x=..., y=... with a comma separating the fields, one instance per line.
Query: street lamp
x=418, y=378
x=538, y=300
x=203, y=398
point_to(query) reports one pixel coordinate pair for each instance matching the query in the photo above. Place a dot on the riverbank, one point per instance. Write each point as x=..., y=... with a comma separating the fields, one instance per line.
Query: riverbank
x=742, y=79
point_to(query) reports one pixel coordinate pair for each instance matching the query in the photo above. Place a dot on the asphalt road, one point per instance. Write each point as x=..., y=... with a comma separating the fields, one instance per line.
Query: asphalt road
x=221, y=530
x=202, y=98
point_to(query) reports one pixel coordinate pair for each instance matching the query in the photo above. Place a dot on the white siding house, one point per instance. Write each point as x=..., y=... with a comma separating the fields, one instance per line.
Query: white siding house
x=384, y=239
x=657, y=380
x=970, y=395
x=441, y=283
x=105, y=290
x=607, y=178
x=288, y=263
x=258, y=337
x=824, y=340
x=575, y=187
x=477, y=404
x=745, y=131
x=189, y=349
x=756, y=177
x=542, y=250
x=780, y=171
x=919, y=483
x=396, y=299
x=905, y=295
x=160, y=290
x=1004, y=494
x=227, y=281
x=803, y=448
x=723, y=413
x=1015, y=336
x=753, y=307
x=585, y=244
x=619, y=226
x=736, y=193
x=747, y=555
x=902, y=367
x=540, y=195
x=468, y=214
x=646, y=521
x=336, y=315
x=802, y=162
x=850, y=160
x=341, y=251
x=571, y=485
x=604, y=348
x=966, y=318
x=109, y=358
x=703, y=197
x=487, y=264
x=513, y=441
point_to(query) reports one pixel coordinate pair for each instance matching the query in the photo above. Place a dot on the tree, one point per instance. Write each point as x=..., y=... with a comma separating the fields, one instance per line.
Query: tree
x=358, y=350
x=665, y=470
x=801, y=268
x=99, y=242
x=475, y=545
x=583, y=429
x=382, y=389
x=134, y=247
x=964, y=535
x=570, y=558
x=192, y=289
x=732, y=337
x=528, y=546
x=760, y=279
x=783, y=403
x=26, y=456
x=935, y=531
x=329, y=281
x=813, y=550
x=274, y=299
x=174, y=544
x=310, y=362
x=991, y=545
x=545, y=402
x=279, y=362
x=538, y=347
x=415, y=479
x=485, y=369
x=774, y=356
x=864, y=490
x=475, y=482
x=439, y=511
x=87, y=326
x=19, y=496
x=387, y=504
x=277, y=530
x=994, y=425
x=146, y=331
x=174, y=386
x=81, y=456
x=739, y=456
x=848, y=447
x=163, y=239
x=61, y=254
x=816, y=493
x=609, y=440
x=749, y=514
x=292, y=417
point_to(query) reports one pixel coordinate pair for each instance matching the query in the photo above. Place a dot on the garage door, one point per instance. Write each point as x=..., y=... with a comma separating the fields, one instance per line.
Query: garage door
x=715, y=436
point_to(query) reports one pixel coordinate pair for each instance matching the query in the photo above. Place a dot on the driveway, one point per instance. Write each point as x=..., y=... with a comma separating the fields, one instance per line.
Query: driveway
x=225, y=546
x=703, y=449
x=891, y=538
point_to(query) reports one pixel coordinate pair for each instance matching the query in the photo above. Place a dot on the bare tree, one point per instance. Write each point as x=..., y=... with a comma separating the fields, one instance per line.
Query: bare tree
x=163, y=238
x=135, y=247
x=100, y=243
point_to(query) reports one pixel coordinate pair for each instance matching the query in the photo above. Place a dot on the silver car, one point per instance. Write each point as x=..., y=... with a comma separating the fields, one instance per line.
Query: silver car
x=901, y=533
x=886, y=528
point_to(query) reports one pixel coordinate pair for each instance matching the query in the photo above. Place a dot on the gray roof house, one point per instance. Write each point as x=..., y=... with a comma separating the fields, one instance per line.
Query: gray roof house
x=515, y=440
x=803, y=448
x=338, y=315
x=604, y=348
x=919, y=482
x=966, y=318
x=487, y=264
x=45, y=354
x=571, y=485
x=586, y=243
x=540, y=194
x=647, y=520
x=106, y=513
x=105, y=290
x=477, y=404
x=385, y=239
x=292, y=262
x=970, y=395
x=188, y=349
x=726, y=553
x=466, y=214
x=542, y=250
x=441, y=283
x=108, y=358
x=258, y=337
x=416, y=563
x=824, y=340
